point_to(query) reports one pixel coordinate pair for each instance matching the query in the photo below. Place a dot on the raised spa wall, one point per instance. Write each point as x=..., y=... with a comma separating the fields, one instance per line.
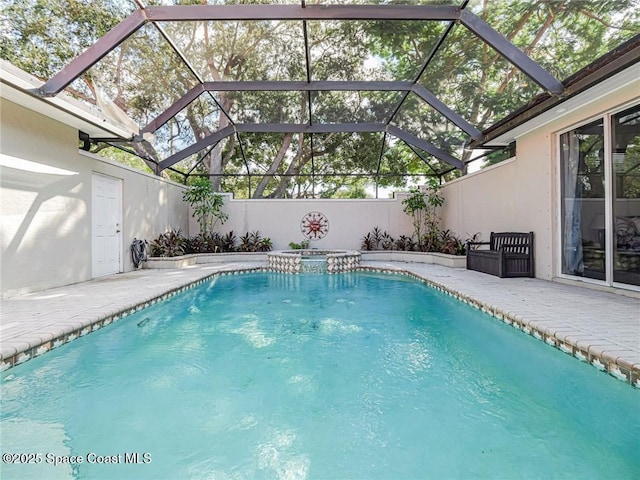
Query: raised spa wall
x=313, y=261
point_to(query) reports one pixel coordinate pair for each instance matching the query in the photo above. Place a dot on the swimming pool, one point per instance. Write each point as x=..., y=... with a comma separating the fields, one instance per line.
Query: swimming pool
x=358, y=375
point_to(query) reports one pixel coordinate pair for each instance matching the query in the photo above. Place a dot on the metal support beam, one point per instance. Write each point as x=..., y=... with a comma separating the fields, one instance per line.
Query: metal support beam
x=212, y=139
x=307, y=64
x=426, y=146
x=200, y=160
x=304, y=175
x=218, y=136
x=452, y=116
x=298, y=12
x=237, y=12
x=257, y=86
x=384, y=143
x=244, y=159
x=306, y=128
x=307, y=49
x=173, y=110
x=421, y=157
x=509, y=51
x=93, y=54
x=321, y=85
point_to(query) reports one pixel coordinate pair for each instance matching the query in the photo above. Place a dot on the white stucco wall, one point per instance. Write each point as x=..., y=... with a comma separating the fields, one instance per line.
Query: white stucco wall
x=521, y=194
x=349, y=220
x=45, y=218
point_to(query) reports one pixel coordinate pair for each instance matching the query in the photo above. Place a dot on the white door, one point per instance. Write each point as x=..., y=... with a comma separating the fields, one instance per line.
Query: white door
x=107, y=220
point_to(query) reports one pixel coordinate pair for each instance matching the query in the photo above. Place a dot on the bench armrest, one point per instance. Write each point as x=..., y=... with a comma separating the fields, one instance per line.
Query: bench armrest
x=475, y=246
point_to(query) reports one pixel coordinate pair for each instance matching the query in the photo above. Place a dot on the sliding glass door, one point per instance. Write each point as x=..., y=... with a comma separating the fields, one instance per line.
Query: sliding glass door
x=583, y=193
x=600, y=191
x=625, y=133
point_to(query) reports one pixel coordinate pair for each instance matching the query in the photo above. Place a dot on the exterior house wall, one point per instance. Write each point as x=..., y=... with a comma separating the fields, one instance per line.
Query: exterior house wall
x=45, y=221
x=349, y=220
x=522, y=194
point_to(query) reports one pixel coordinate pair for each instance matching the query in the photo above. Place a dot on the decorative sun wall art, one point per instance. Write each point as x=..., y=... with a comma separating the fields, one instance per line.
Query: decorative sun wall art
x=314, y=225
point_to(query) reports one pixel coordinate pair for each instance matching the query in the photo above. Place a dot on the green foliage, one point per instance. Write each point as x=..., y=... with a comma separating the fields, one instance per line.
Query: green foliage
x=404, y=243
x=43, y=36
x=442, y=241
x=173, y=243
x=422, y=207
x=229, y=242
x=451, y=244
x=496, y=157
x=205, y=243
x=377, y=240
x=207, y=205
x=299, y=246
x=120, y=156
x=168, y=244
x=254, y=242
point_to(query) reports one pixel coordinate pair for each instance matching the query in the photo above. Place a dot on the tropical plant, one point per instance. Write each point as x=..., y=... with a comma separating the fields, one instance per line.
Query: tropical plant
x=368, y=242
x=443, y=242
x=415, y=205
x=266, y=245
x=451, y=244
x=377, y=239
x=228, y=243
x=404, y=243
x=206, y=204
x=386, y=241
x=204, y=243
x=299, y=246
x=254, y=242
x=422, y=207
x=473, y=239
x=168, y=244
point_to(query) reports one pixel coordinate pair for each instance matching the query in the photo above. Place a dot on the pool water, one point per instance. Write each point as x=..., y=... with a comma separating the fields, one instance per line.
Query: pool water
x=359, y=375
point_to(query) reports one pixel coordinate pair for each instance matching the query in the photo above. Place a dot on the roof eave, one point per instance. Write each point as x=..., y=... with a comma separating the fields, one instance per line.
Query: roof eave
x=604, y=68
x=18, y=87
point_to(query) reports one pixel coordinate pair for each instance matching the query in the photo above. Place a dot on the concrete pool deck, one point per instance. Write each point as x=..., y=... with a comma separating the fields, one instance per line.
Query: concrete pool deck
x=599, y=327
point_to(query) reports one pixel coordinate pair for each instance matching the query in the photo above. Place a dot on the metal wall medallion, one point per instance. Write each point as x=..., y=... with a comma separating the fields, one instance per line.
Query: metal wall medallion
x=314, y=225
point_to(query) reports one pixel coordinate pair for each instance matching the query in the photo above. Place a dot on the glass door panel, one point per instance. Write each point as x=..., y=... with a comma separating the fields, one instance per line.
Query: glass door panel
x=583, y=201
x=625, y=131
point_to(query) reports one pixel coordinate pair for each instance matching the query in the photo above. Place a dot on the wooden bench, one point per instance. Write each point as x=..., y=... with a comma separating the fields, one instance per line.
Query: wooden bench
x=510, y=254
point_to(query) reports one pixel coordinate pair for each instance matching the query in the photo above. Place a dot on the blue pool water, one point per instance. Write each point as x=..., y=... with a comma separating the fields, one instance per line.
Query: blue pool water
x=358, y=375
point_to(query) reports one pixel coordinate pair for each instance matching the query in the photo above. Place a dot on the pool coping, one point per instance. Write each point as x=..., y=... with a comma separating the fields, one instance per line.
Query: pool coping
x=582, y=349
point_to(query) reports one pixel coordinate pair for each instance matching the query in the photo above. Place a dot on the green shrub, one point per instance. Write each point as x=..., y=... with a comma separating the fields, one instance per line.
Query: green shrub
x=299, y=246
x=254, y=242
x=444, y=242
x=168, y=244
